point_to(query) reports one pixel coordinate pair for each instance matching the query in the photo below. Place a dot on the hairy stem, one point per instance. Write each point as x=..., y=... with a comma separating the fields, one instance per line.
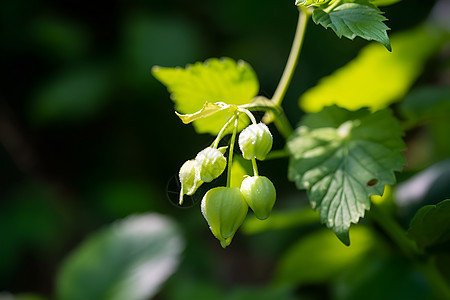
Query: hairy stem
x=293, y=57
x=409, y=248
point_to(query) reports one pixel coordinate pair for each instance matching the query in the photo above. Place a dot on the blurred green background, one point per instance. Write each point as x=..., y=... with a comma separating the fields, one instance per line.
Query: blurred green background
x=89, y=136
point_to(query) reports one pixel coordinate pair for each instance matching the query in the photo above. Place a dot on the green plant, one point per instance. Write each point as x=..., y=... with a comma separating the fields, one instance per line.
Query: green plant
x=344, y=153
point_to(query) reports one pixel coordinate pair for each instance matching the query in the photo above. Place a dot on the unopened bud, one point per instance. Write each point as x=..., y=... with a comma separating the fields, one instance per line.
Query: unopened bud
x=209, y=164
x=260, y=195
x=188, y=180
x=224, y=209
x=255, y=141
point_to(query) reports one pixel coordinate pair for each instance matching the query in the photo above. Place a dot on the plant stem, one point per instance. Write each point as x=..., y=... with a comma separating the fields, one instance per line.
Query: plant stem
x=280, y=119
x=409, y=248
x=222, y=132
x=255, y=167
x=288, y=72
x=282, y=124
x=231, y=150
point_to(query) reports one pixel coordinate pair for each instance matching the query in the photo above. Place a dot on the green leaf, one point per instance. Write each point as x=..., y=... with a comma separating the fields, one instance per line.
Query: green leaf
x=431, y=225
x=127, y=260
x=342, y=158
x=207, y=110
x=376, y=78
x=355, y=19
x=318, y=257
x=215, y=80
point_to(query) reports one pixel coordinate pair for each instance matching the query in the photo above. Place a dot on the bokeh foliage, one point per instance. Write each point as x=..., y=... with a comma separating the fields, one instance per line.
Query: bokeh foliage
x=89, y=138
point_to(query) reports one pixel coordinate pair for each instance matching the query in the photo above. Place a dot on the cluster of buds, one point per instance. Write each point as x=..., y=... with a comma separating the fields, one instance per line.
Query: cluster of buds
x=225, y=208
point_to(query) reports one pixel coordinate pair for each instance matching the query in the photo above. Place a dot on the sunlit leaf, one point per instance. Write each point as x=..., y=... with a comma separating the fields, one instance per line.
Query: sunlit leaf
x=127, y=260
x=320, y=256
x=207, y=110
x=215, y=80
x=431, y=225
x=355, y=19
x=342, y=158
x=376, y=78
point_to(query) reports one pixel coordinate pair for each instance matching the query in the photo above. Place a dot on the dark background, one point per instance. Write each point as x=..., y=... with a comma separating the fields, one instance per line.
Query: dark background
x=89, y=136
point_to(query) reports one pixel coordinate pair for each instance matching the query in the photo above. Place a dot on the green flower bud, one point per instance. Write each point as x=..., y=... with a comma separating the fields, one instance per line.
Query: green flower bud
x=189, y=182
x=255, y=141
x=209, y=164
x=260, y=195
x=224, y=209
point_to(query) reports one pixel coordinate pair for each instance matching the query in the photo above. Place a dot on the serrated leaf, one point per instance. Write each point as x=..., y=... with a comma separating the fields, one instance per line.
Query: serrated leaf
x=355, y=19
x=128, y=260
x=342, y=158
x=215, y=80
x=431, y=225
x=376, y=78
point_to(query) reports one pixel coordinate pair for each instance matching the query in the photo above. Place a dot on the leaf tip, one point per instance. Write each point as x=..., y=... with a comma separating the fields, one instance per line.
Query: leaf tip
x=388, y=46
x=343, y=236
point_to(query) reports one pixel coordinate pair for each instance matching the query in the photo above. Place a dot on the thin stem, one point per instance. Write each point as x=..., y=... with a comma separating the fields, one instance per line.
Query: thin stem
x=409, y=248
x=282, y=124
x=222, y=131
x=249, y=114
x=255, y=167
x=293, y=57
x=230, y=153
x=393, y=229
